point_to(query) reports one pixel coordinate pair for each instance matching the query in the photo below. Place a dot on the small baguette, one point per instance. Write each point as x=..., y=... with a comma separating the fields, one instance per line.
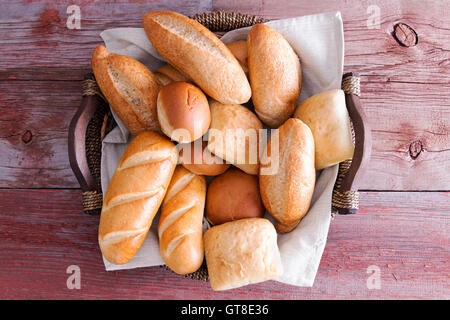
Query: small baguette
x=134, y=195
x=167, y=74
x=199, y=54
x=240, y=50
x=287, y=193
x=130, y=88
x=180, y=225
x=275, y=75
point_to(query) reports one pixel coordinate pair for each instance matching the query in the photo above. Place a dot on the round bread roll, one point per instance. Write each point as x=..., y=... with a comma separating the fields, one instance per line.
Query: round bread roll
x=233, y=195
x=198, y=159
x=183, y=111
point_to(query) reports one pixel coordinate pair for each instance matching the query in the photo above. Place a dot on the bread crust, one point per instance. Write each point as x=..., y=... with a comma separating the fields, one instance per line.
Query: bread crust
x=275, y=75
x=129, y=87
x=134, y=195
x=198, y=53
x=287, y=194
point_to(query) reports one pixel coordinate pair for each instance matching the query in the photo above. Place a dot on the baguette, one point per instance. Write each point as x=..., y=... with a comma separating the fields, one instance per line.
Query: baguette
x=275, y=75
x=287, y=193
x=180, y=224
x=199, y=54
x=134, y=195
x=130, y=88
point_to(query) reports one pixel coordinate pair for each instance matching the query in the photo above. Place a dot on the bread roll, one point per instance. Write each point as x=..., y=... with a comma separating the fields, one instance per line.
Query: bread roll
x=327, y=116
x=199, y=54
x=180, y=225
x=130, y=88
x=198, y=159
x=234, y=135
x=167, y=74
x=183, y=111
x=275, y=75
x=242, y=252
x=134, y=195
x=287, y=193
x=233, y=195
x=240, y=50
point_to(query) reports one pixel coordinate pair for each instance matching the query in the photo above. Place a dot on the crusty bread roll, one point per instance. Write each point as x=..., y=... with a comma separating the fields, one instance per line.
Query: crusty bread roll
x=240, y=50
x=196, y=157
x=134, y=195
x=180, y=225
x=183, y=111
x=199, y=54
x=242, y=252
x=275, y=75
x=130, y=88
x=233, y=195
x=327, y=116
x=167, y=74
x=234, y=135
x=287, y=193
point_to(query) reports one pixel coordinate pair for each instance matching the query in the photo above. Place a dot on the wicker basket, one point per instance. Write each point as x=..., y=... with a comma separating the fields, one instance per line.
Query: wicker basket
x=93, y=121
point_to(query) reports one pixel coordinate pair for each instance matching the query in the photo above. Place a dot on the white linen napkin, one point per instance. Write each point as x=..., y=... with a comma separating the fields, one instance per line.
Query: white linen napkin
x=319, y=42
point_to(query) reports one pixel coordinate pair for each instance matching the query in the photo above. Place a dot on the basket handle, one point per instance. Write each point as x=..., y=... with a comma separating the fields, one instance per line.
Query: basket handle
x=345, y=193
x=92, y=196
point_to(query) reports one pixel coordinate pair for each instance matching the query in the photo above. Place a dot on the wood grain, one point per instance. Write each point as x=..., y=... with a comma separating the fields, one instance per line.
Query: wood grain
x=404, y=234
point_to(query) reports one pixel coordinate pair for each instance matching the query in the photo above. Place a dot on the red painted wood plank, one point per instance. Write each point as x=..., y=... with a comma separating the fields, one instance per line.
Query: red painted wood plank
x=405, y=235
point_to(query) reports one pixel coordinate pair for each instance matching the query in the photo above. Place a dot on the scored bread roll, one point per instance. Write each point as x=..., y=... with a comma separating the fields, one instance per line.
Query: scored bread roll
x=167, y=74
x=242, y=252
x=134, y=195
x=180, y=225
x=287, y=192
x=233, y=195
x=130, y=88
x=327, y=116
x=183, y=111
x=240, y=50
x=275, y=75
x=199, y=54
x=234, y=135
x=198, y=159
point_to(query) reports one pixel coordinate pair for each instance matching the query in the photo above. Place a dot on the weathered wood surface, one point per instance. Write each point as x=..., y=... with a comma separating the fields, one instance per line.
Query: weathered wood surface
x=405, y=91
x=405, y=94
x=405, y=235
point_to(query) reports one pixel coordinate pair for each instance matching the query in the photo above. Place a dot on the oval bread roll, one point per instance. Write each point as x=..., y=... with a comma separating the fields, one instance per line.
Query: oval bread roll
x=134, y=195
x=275, y=75
x=287, y=193
x=167, y=74
x=199, y=54
x=327, y=116
x=234, y=135
x=180, y=225
x=183, y=111
x=240, y=50
x=130, y=88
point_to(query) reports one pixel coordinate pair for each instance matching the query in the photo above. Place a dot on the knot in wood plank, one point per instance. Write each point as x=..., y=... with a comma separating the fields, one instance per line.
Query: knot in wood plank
x=405, y=35
x=27, y=137
x=415, y=149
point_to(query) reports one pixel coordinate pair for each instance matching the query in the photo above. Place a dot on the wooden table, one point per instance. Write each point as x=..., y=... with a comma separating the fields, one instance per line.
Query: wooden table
x=401, y=232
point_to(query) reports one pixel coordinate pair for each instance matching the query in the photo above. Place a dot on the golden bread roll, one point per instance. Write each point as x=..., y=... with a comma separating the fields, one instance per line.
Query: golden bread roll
x=287, y=192
x=234, y=135
x=196, y=157
x=183, y=111
x=240, y=50
x=130, y=88
x=167, y=74
x=134, y=195
x=180, y=225
x=242, y=252
x=233, y=195
x=327, y=116
x=199, y=54
x=275, y=75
